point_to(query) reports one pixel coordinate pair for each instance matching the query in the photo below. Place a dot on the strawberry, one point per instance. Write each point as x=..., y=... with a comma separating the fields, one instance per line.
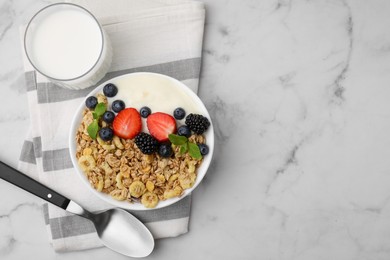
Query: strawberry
x=160, y=125
x=127, y=123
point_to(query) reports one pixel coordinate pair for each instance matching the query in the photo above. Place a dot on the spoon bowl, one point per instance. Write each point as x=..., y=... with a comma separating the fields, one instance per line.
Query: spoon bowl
x=116, y=230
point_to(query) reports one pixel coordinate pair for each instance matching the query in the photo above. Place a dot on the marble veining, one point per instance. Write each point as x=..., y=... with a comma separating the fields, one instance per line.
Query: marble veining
x=11, y=234
x=7, y=15
x=338, y=89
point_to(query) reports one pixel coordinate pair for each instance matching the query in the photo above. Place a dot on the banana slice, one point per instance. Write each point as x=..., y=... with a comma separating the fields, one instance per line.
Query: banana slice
x=177, y=191
x=125, y=170
x=149, y=200
x=119, y=194
x=146, y=170
x=118, y=142
x=108, y=147
x=173, y=178
x=87, y=162
x=118, y=180
x=87, y=151
x=191, y=166
x=100, y=184
x=100, y=141
x=160, y=178
x=149, y=186
x=187, y=180
x=137, y=188
x=107, y=169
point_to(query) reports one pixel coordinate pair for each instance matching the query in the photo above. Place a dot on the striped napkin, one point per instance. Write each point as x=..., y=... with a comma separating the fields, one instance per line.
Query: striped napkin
x=162, y=36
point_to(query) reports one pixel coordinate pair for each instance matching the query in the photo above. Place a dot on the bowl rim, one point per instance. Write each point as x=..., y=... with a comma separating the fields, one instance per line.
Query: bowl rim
x=201, y=172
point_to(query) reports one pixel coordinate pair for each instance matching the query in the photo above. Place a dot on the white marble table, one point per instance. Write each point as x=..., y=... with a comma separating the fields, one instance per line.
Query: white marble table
x=299, y=92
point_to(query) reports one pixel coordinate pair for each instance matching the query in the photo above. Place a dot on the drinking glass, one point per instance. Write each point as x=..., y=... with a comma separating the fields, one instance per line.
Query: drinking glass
x=66, y=43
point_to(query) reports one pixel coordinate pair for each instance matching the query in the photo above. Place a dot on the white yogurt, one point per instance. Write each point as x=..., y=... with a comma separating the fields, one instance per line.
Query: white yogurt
x=159, y=93
x=65, y=42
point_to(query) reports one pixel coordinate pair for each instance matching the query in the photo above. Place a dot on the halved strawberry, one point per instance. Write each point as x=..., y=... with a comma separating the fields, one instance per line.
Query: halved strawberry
x=127, y=123
x=160, y=125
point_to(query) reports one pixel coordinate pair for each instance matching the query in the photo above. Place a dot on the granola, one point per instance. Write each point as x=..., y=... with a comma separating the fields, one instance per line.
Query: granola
x=118, y=168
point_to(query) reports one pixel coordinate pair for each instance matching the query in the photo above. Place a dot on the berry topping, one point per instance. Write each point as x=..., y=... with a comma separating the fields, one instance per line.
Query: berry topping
x=91, y=102
x=204, y=149
x=146, y=143
x=118, y=105
x=108, y=117
x=197, y=123
x=110, y=90
x=165, y=150
x=106, y=133
x=160, y=125
x=184, y=131
x=145, y=112
x=127, y=123
x=179, y=113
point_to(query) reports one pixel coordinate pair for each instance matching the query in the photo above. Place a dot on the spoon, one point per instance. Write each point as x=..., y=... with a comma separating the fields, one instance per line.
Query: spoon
x=116, y=228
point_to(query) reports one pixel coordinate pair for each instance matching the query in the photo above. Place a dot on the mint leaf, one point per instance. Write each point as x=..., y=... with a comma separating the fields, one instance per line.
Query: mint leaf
x=95, y=116
x=183, y=148
x=100, y=109
x=194, y=151
x=177, y=139
x=93, y=129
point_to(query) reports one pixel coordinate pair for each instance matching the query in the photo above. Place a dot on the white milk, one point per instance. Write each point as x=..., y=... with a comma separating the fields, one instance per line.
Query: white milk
x=65, y=42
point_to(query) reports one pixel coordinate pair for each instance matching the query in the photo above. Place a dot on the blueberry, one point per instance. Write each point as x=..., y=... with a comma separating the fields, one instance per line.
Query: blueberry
x=184, y=131
x=110, y=90
x=108, y=117
x=118, y=105
x=91, y=102
x=179, y=113
x=145, y=112
x=204, y=149
x=165, y=150
x=106, y=133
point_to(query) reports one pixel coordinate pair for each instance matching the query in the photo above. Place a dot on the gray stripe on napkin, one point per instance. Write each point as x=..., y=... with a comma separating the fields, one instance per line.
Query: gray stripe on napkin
x=180, y=69
x=37, y=147
x=179, y=209
x=30, y=80
x=49, y=92
x=27, y=154
x=45, y=208
x=74, y=225
x=56, y=160
x=70, y=226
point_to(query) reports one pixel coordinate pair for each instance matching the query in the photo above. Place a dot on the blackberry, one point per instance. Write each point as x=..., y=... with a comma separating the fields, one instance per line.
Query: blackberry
x=146, y=143
x=197, y=123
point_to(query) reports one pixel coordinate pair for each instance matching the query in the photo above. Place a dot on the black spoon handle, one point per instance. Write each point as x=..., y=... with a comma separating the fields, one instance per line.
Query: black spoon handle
x=28, y=184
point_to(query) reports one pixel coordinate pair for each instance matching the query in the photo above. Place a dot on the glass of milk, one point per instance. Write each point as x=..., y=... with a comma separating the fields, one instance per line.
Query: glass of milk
x=66, y=43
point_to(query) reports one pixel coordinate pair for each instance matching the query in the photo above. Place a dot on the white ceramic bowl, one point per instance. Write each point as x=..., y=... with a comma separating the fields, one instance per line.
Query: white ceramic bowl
x=201, y=171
